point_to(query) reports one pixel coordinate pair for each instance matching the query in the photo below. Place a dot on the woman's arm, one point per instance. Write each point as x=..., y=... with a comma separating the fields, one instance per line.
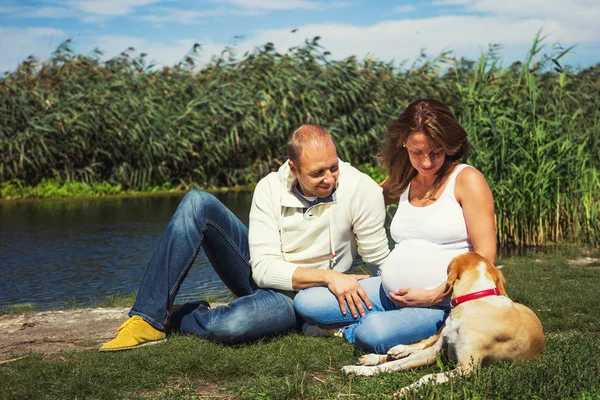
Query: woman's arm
x=475, y=197
x=419, y=297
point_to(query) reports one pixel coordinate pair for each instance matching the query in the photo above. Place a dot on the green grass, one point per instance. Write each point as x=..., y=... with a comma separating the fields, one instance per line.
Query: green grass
x=113, y=300
x=292, y=366
x=18, y=308
x=53, y=189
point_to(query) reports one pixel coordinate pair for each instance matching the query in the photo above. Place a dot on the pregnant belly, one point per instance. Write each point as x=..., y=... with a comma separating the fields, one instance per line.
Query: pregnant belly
x=414, y=265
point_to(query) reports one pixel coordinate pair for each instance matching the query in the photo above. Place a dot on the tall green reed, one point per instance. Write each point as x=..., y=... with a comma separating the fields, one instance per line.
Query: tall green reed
x=534, y=137
x=76, y=118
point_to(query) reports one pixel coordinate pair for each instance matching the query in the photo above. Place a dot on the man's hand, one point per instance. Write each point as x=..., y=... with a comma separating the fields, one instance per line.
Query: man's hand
x=347, y=290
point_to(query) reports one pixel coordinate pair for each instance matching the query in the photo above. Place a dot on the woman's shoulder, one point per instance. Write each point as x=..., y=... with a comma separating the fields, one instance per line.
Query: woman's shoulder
x=470, y=181
x=468, y=174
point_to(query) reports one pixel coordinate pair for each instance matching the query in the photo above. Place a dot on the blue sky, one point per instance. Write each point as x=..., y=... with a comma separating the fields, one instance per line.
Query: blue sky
x=388, y=30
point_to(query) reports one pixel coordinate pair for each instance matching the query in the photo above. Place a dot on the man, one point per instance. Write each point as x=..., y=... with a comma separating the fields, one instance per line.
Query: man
x=307, y=222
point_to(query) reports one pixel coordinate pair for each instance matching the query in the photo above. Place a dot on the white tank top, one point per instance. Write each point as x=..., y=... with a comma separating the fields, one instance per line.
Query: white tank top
x=427, y=238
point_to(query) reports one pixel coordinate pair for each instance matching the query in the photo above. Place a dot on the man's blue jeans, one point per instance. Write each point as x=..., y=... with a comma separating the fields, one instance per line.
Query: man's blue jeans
x=383, y=327
x=202, y=222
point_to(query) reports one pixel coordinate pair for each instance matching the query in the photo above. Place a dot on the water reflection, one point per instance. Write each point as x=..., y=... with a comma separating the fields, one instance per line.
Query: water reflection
x=56, y=251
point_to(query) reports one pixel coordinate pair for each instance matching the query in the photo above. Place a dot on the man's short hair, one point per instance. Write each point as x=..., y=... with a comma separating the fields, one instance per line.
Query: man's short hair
x=305, y=135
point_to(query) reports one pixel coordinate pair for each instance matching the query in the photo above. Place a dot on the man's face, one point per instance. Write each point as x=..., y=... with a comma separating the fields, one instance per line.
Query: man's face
x=319, y=169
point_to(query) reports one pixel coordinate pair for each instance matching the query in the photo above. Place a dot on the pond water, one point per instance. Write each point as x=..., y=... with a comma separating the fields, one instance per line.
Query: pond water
x=56, y=252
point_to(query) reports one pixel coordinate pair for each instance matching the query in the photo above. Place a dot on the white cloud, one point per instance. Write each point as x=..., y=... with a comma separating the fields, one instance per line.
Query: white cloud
x=279, y=5
x=16, y=44
x=39, y=12
x=394, y=39
x=49, y=12
x=403, y=39
x=403, y=9
x=179, y=16
x=86, y=10
x=7, y=9
x=162, y=53
x=398, y=39
x=276, y=4
x=110, y=8
x=582, y=10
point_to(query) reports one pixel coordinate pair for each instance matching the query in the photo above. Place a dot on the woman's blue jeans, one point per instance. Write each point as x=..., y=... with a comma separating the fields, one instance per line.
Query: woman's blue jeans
x=202, y=222
x=383, y=327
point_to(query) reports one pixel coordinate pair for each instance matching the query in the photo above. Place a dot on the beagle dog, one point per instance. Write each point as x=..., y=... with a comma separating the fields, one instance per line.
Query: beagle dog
x=484, y=326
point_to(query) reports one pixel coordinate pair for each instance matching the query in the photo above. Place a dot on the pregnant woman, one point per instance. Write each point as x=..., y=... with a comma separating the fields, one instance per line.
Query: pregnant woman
x=445, y=208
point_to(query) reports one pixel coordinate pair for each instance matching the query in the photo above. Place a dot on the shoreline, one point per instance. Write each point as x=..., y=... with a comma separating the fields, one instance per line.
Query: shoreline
x=125, y=194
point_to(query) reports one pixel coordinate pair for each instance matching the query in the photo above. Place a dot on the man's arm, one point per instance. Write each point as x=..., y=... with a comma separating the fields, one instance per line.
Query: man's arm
x=368, y=220
x=385, y=185
x=269, y=270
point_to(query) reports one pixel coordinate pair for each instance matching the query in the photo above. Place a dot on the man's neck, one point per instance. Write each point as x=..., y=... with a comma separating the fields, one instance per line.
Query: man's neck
x=298, y=192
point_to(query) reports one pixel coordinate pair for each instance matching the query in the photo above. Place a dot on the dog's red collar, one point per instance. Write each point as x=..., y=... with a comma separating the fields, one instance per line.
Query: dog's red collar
x=475, y=295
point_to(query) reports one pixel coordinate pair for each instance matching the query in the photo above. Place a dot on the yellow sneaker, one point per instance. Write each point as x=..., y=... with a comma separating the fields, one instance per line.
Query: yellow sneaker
x=135, y=332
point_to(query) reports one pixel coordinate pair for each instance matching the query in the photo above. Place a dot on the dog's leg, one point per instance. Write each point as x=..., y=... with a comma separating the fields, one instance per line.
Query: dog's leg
x=399, y=351
x=404, y=350
x=434, y=379
x=373, y=359
x=420, y=359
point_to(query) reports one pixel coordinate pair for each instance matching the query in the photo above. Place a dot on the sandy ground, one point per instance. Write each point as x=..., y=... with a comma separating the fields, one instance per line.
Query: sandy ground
x=48, y=332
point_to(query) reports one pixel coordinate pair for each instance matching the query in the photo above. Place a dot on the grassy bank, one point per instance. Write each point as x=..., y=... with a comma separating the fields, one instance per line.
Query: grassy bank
x=564, y=296
x=53, y=188
x=115, y=300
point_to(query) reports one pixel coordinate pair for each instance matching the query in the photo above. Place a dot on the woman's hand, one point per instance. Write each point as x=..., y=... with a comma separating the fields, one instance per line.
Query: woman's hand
x=418, y=297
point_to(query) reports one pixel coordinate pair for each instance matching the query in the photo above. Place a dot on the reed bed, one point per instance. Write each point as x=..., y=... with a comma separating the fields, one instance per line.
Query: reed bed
x=533, y=124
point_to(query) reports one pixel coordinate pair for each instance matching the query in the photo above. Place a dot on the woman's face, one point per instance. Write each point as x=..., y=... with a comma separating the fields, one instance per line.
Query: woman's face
x=425, y=154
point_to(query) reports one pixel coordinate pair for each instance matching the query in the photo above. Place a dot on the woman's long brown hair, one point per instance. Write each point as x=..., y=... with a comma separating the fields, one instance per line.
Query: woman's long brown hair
x=434, y=119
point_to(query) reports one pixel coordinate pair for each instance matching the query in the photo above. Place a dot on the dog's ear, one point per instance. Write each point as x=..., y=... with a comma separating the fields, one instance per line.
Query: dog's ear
x=453, y=269
x=498, y=278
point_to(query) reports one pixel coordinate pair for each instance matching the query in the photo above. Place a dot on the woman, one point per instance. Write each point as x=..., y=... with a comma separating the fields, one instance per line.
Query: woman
x=445, y=208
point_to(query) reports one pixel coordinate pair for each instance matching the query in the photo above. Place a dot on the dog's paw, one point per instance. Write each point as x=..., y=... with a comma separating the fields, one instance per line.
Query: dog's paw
x=403, y=392
x=372, y=359
x=400, y=351
x=357, y=370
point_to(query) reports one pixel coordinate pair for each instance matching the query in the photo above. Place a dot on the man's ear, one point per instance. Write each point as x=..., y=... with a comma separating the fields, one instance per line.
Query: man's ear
x=293, y=168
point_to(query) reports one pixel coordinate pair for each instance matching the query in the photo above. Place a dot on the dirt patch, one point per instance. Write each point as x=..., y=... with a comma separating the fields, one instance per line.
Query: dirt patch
x=48, y=332
x=585, y=262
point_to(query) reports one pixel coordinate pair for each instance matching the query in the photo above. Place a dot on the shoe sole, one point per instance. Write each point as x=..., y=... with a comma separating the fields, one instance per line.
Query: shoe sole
x=136, y=346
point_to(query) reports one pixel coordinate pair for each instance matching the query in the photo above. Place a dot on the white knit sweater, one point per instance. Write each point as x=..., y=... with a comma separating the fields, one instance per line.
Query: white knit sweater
x=283, y=237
